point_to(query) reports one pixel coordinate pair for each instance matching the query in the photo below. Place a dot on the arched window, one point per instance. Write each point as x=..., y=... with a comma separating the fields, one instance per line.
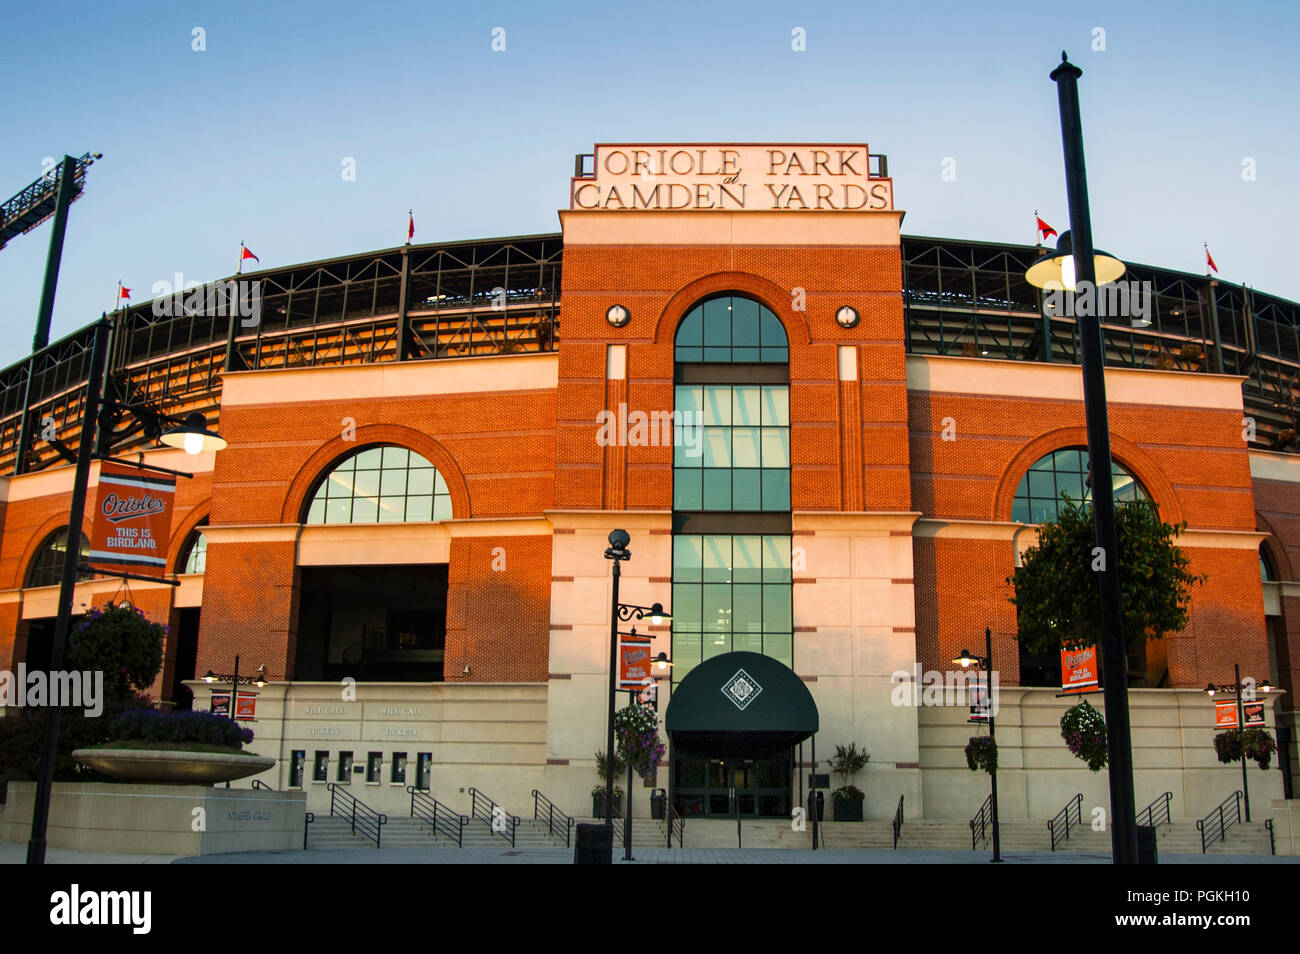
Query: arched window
x=1064, y=473
x=729, y=329
x=47, y=565
x=1267, y=572
x=194, y=555
x=384, y=484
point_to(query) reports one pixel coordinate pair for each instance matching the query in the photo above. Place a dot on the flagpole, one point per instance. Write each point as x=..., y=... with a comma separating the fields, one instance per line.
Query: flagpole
x=239, y=268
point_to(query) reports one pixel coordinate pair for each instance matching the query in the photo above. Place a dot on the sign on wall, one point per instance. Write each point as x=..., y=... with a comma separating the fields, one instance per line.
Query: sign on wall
x=133, y=517
x=1078, y=670
x=732, y=178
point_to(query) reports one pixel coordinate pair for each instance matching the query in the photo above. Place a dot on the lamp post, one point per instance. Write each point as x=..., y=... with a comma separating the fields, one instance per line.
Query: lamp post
x=1083, y=259
x=985, y=662
x=618, y=552
x=91, y=423
x=1237, y=689
x=258, y=678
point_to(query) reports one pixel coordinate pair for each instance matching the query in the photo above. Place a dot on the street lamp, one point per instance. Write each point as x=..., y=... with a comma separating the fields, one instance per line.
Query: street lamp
x=618, y=552
x=985, y=662
x=1236, y=689
x=1123, y=832
x=98, y=417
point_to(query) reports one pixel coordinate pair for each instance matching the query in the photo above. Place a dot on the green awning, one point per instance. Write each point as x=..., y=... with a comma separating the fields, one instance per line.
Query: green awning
x=740, y=705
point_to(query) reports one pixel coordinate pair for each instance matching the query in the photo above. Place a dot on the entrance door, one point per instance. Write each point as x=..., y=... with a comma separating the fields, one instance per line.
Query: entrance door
x=726, y=787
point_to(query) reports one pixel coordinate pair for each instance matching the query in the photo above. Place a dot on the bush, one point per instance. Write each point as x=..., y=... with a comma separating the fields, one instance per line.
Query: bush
x=1254, y=743
x=22, y=735
x=122, y=643
x=151, y=725
x=848, y=793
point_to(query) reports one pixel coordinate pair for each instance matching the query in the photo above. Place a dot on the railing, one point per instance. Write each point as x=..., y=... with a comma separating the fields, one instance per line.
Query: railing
x=437, y=816
x=1272, y=845
x=1157, y=813
x=1059, y=827
x=492, y=814
x=306, y=823
x=675, y=823
x=979, y=824
x=259, y=785
x=898, y=821
x=365, y=820
x=558, y=824
x=1216, y=824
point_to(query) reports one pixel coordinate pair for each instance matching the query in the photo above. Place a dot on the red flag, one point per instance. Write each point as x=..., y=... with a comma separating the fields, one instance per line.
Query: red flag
x=245, y=254
x=1044, y=229
x=123, y=292
x=410, y=228
x=1209, y=260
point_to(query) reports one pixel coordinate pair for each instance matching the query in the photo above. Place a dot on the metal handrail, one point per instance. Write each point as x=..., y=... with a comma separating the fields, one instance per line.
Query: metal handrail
x=1215, y=825
x=554, y=817
x=258, y=784
x=898, y=821
x=438, y=816
x=306, y=821
x=1074, y=807
x=1268, y=826
x=363, y=818
x=979, y=823
x=676, y=822
x=1157, y=813
x=484, y=809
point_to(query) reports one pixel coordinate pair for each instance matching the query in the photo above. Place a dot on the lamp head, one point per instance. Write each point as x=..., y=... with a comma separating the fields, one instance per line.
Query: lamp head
x=210, y=677
x=1210, y=690
x=193, y=435
x=1056, y=270
x=965, y=660
x=658, y=614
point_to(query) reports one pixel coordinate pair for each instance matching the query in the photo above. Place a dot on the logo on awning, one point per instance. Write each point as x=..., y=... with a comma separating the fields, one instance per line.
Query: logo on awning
x=741, y=689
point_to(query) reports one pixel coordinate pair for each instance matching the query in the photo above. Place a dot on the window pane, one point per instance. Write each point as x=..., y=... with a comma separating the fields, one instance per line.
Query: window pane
x=419, y=508
x=717, y=405
x=396, y=457
x=687, y=490
x=776, y=608
x=691, y=330
x=746, y=490
x=747, y=608
x=392, y=509
x=439, y=485
x=367, y=483
x=338, y=511
x=688, y=562
x=745, y=404
x=369, y=459
x=748, y=555
x=1041, y=484
x=776, y=559
x=392, y=482
x=717, y=322
x=316, y=513
x=687, y=607
x=780, y=646
x=776, y=489
x=689, y=399
x=746, y=642
x=690, y=355
x=420, y=481
x=776, y=447
x=365, y=510
x=717, y=559
x=773, y=334
x=442, y=507
x=776, y=406
x=717, y=490
x=717, y=608
x=686, y=654
x=717, y=447
x=776, y=355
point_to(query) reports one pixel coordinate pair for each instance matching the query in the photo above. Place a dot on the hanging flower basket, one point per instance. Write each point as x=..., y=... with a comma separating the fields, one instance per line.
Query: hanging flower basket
x=1254, y=743
x=636, y=730
x=982, y=754
x=1084, y=732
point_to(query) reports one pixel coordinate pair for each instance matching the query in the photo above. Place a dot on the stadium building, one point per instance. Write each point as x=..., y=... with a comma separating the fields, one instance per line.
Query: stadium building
x=829, y=442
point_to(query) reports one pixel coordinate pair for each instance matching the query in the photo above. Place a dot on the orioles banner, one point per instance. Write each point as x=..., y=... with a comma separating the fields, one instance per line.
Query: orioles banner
x=1079, y=669
x=133, y=517
x=634, y=664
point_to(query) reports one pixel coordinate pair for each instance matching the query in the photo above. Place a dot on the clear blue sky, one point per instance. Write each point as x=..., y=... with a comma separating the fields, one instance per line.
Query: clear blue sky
x=246, y=140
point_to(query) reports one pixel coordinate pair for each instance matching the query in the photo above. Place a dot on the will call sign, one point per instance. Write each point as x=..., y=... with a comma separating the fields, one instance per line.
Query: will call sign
x=733, y=178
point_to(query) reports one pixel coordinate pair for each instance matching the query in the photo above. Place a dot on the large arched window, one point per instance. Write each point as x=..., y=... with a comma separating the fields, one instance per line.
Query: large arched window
x=729, y=329
x=194, y=555
x=385, y=484
x=1061, y=474
x=47, y=565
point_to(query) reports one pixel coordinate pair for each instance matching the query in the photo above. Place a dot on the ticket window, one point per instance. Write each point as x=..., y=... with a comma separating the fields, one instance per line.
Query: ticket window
x=374, y=767
x=321, y=767
x=424, y=771
x=297, y=763
x=398, y=771
x=345, y=767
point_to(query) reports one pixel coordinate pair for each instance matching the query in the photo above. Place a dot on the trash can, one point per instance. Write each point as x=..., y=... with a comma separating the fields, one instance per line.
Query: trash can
x=1148, y=854
x=658, y=803
x=594, y=845
x=819, y=806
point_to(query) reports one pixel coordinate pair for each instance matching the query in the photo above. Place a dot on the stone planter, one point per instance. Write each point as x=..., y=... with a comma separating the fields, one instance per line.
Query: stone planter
x=172, y=767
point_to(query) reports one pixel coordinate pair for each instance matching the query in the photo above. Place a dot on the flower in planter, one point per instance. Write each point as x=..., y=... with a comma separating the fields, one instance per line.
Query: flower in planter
x=849, y=793
x=848, y=762
x=1254, y=743
x=1084, y=732
x=982, y=754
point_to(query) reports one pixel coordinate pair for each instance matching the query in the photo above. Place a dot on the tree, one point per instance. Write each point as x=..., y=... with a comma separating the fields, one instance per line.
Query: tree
x=1057, y=592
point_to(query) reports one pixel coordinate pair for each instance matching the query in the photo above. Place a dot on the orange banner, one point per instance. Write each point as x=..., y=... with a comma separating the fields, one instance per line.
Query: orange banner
x=1079, y=669
x=1225, y=713
x=133, y=518
x=635, y=662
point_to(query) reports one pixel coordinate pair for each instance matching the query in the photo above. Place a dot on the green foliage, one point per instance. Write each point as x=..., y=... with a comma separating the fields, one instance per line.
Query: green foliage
x=849, y=761
x=1254, y=743
x=22, y=734
x=982, y=754
x=1084, y=732
x=619, y=767
x=1057, y=593
x=123, y=644
x=849, y=793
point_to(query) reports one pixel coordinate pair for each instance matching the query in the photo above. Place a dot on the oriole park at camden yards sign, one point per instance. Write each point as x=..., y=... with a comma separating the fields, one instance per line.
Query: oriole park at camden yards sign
x=133, y=517
x=732, y=178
